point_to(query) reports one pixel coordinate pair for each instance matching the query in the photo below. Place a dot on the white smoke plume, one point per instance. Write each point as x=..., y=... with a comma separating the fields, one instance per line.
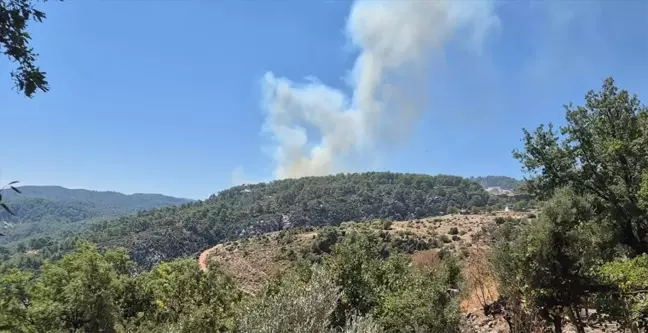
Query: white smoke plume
x=396, y=40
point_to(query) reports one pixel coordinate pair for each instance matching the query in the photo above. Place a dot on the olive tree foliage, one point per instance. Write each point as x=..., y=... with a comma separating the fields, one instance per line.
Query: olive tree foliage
x=629, y=305
x=299, y=306
x=544, y=267
x=592, y=174
x=296, y=307
x=601, y=151
x=15, y=16
x=90, y=290
x=384, y=286
x=359, y=288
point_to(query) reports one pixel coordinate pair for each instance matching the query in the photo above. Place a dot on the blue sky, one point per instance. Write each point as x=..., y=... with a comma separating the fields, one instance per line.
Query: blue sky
x=170, y=97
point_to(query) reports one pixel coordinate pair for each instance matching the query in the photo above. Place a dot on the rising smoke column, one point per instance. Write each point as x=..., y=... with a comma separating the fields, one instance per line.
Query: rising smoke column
x=396, y=40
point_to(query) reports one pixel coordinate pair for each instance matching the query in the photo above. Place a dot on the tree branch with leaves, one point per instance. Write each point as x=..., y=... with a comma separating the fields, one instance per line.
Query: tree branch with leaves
x=4, y=205
x=15, y=16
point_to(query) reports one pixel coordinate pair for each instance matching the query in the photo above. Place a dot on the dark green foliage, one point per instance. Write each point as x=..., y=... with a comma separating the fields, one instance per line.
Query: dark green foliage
x=399, y=298
x=420, y=304
x=601, y=152
x=50, y=210
x=409, y=244
x=15, y=16
x=506, y=183
x=520, y=206
x=626, y=305
x=246, y=210
x=453, y=231
x=548, y=262
x=325, y=240
x=576, y=253
x=387, y=225
x=90, y=291
x=294, y=305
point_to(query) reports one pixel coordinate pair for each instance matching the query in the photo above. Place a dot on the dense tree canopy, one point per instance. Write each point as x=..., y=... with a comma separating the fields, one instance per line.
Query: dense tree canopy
x=245, y=210
x=588, y=247
x=507, y=183
x=95, y=291
x=600, y=151
x=51, y=210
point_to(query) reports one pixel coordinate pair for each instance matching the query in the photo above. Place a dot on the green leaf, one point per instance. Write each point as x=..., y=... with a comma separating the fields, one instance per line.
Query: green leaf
x=15, y=189
x=7, y=209
x=14, y=182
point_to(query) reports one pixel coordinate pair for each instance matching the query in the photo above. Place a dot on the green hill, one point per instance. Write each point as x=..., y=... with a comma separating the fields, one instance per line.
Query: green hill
x=166, y=233
x=48, y=210
x=504, y=182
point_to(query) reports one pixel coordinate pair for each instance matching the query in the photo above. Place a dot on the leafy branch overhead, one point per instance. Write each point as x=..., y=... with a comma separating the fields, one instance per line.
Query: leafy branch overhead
x=8, y=186
x=15, y=44
x=4, y=205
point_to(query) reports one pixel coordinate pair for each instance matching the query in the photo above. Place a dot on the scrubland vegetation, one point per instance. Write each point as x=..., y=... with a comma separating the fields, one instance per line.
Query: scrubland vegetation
x=363, y=253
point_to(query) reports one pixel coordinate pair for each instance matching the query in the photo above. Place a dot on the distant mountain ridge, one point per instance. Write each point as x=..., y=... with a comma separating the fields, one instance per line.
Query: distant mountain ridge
x=54, y=192
x=47, y=210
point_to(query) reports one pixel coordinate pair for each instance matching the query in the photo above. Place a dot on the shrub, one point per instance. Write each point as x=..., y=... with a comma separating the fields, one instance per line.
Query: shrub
x=362, y=325
x=410, y=245
x=500, y=220
x=386, y=225
x=455, y=237
x=445, y=239
x=434, y=243
x=302, y=307
x=325, y=241
x=421, y=304
x=453, y=231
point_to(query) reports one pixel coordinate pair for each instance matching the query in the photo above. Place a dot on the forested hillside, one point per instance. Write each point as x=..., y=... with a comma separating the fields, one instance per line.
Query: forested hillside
x=340, y=260
x=506, y=183
x=48, y=210
x=579, y=265
x=171, y=232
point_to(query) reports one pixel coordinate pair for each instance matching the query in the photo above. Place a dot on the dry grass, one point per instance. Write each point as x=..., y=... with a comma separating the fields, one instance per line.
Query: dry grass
x=256, y=260
x=480, y=281
x=260, y=258
x=426, y=259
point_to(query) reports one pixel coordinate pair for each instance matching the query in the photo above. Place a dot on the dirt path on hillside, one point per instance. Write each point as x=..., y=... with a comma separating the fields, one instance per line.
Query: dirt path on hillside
x=202, y=260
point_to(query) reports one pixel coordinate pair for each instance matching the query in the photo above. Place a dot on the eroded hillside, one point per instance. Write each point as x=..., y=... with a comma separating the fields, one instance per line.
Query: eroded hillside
x=256, y=260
